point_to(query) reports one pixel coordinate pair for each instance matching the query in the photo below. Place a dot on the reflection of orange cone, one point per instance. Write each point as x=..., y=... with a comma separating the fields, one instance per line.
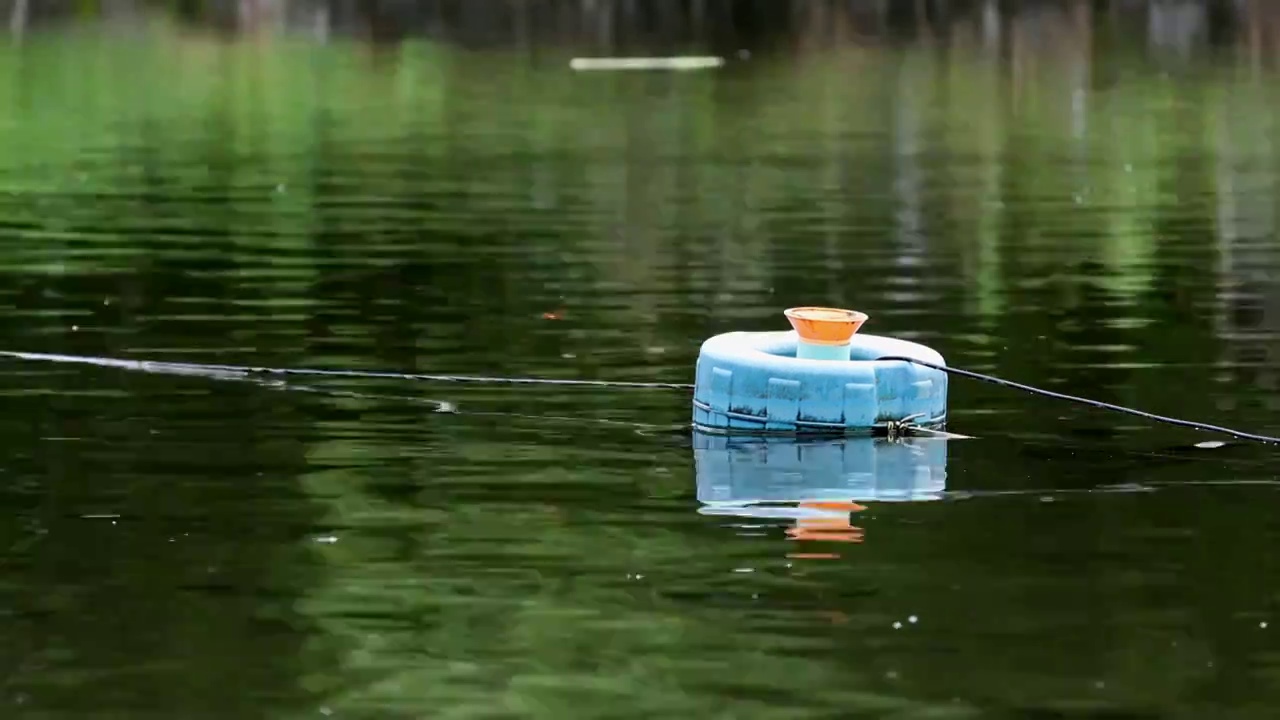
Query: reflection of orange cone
x=824, y=333
x=826, y=529
x=845, y=505
x=830, y=530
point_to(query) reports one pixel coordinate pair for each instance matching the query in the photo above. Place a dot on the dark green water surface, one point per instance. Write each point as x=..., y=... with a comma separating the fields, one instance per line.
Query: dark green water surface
x=1097, y=221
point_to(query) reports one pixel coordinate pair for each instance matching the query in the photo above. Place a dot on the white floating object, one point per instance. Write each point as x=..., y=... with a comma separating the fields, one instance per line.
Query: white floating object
x=646, y=63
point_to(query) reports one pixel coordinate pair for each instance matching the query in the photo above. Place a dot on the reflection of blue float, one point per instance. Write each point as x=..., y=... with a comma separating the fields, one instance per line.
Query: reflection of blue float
x=736, y=475
x=820, y=377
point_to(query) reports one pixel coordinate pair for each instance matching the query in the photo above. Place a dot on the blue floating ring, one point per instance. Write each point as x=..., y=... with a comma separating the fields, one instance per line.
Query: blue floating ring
x=753, y=382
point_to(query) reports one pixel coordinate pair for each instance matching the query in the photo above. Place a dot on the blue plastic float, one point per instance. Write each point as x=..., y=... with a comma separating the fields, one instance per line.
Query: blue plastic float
x=821, y=376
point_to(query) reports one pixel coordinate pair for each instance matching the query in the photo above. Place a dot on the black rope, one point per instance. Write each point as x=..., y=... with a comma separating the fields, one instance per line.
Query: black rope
x=1086, y=401
x=215, y=370
x=479, y=379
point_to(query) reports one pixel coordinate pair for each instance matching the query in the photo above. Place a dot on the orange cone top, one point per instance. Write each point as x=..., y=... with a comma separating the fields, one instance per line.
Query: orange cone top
x=825, y=326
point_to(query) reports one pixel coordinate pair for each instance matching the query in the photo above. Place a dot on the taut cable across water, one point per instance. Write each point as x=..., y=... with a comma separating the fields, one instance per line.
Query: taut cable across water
x=217, y=370
x=164, y=366
x=1192, y=424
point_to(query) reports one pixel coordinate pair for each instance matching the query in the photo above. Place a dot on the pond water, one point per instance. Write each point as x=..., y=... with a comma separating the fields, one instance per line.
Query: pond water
x=176, y=547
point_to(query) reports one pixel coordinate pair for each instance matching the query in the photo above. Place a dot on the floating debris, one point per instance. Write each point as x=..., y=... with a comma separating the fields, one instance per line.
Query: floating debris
x=646, y=63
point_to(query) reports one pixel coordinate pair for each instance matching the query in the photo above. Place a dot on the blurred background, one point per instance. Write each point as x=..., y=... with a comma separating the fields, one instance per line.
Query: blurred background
x=1074, y=194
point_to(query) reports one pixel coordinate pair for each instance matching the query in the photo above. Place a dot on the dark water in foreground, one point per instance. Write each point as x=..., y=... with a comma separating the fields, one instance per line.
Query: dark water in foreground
x=180, y=547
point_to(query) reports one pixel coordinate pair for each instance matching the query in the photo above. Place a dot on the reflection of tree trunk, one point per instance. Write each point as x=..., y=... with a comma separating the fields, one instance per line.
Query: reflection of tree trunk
x=1082, y=71
x=18, y=17
x=1246, y=223
x=1254, y=41
x=1257, y=34
x=922, y=18
x=322, y=23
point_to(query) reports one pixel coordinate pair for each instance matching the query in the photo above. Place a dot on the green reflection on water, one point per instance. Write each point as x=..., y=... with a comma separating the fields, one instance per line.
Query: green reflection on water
x=422, y=207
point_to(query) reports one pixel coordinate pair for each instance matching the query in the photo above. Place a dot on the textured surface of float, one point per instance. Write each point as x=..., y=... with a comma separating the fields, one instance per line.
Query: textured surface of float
x=753, y=381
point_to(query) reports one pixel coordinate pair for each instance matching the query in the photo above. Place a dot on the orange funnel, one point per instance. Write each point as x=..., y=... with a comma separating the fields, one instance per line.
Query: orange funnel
x=825, y=326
